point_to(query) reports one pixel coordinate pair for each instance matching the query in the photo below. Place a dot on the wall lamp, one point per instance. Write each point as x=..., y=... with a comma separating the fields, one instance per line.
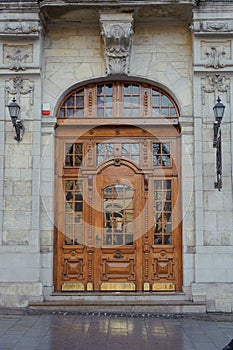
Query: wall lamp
x=14, y=110
x=219, y=109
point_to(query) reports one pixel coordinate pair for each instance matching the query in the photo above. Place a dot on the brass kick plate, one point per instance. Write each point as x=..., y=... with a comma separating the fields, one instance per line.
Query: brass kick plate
x=117, y=286
x=72, y=286
x=163, y=287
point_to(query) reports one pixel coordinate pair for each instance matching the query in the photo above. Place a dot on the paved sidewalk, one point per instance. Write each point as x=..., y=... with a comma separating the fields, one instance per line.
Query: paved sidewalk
x=109, y=332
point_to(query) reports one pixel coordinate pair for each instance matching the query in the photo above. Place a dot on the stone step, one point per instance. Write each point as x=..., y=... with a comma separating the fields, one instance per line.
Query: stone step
x=118, y=303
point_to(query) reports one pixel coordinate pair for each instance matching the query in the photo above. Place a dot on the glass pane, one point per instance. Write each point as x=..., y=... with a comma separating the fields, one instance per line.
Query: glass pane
x=127, y=89
x=109, y=148
x=118, y=215
x=100, y=89
x=135, y=89
x=100, y=112
x=125, y=148
x=62, y=113
x=70, y=112
x=162, y=212
x=135, y=101
x=73, y=156
x=73, y=212
x=100, y=101
x=108, y=89
x=79, y=101
x=127, y=101
x=70, y=101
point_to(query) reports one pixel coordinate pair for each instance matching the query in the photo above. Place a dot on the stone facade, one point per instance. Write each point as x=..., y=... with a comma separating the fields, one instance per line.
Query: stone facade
x=184, y=48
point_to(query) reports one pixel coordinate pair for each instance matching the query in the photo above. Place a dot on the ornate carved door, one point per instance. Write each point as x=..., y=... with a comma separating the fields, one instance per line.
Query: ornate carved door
x=117, y=190
x=119, y=203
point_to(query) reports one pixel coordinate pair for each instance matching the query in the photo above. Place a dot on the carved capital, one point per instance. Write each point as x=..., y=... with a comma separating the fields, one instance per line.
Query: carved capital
x=117, y=32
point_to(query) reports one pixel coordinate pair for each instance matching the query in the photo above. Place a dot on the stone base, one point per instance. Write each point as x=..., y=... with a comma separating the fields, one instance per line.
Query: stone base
x=219, y=296
x=18, y=294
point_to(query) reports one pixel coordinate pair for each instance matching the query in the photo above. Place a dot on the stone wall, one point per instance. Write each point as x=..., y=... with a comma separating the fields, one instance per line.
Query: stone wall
x=213, y=209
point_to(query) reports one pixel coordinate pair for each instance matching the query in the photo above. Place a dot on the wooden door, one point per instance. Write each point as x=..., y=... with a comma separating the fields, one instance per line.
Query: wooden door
x=119, y=202
x=118, y=211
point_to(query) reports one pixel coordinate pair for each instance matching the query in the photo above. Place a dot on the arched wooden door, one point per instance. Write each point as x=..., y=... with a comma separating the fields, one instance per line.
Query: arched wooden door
x=117, y=191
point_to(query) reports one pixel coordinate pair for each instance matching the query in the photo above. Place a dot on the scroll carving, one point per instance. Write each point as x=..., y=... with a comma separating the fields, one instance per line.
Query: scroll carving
x=117, y=34
x=215, y=84
x=19, y=86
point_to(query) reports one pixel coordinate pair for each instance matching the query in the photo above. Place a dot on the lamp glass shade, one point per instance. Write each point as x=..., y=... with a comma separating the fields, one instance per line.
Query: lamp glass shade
x=14, y=109
x=219, y=109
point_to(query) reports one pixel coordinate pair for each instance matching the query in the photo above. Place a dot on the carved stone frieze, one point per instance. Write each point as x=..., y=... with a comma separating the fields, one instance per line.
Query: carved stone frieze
x=212, y=26
x=117, y=32
x=17, y=56
x=18, y=86
x=215, y=84
x=21, y=28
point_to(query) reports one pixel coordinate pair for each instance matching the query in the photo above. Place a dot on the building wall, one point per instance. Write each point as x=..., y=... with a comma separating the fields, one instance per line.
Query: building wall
x=58, y=56
x=212, y=37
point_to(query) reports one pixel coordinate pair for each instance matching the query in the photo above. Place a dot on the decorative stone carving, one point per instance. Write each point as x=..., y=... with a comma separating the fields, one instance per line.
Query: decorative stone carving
x=17, y=56
x=215, y=57
x=216, y=53
x=117, y=34
x=213, y=26
x=18, y=86
x=215, y=84
x=22, y=28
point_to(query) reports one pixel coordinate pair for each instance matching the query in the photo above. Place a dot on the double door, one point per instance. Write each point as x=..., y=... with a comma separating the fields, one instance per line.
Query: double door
x=117, y=225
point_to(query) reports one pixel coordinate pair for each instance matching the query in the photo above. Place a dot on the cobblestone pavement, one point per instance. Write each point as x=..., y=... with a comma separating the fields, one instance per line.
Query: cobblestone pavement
x=113, y=331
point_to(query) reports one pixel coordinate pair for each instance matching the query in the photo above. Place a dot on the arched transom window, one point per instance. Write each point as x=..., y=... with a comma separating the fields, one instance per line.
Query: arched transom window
x=117, y=100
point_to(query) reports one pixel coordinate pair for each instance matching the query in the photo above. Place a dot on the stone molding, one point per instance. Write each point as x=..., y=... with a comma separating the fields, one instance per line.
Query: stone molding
x=212, y=26
x=117, y=31
x=18, y=27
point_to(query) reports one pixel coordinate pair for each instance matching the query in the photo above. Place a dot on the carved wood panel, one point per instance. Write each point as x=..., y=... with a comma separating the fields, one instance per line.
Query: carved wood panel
x=73, y=264
x=163, y=263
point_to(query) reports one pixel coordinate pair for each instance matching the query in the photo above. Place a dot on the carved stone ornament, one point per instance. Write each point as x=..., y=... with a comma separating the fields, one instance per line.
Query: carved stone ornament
x=18, y=86
x=213, y=26
x=215, y=84
x=21, y=28
x=215, y=56
x=17, y=56
x=117, y=34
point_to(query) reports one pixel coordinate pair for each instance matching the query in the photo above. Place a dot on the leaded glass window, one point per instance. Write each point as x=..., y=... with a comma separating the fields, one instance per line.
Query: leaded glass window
x=73, y=212
x=73, y=154
x=163, y=211
x=161, y=154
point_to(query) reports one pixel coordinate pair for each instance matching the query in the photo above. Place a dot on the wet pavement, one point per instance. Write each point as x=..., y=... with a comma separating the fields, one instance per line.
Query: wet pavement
x=63, y=331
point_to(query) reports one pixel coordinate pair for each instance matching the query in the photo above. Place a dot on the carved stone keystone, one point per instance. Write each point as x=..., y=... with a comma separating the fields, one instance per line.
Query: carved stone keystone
x=117, y=31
